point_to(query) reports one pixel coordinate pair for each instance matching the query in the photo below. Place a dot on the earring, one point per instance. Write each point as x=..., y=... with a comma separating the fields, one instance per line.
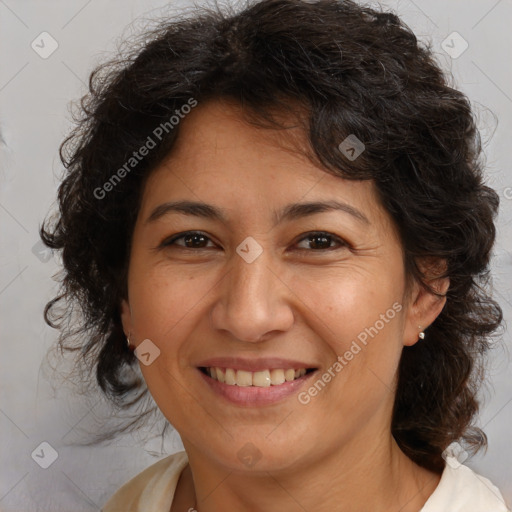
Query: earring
x=128, y=341
x=421, y=334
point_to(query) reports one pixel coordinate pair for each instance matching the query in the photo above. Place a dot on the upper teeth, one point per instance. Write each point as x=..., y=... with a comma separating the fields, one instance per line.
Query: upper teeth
x=263, y=378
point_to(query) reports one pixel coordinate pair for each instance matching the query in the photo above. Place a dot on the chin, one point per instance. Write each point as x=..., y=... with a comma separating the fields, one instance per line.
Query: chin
x=257, y=454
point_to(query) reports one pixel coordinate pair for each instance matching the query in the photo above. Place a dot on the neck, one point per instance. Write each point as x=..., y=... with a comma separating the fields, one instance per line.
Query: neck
x=351, y=479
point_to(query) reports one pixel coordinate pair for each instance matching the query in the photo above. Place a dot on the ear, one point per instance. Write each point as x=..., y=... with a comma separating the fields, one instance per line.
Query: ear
x=423, y=306
x=126, y=317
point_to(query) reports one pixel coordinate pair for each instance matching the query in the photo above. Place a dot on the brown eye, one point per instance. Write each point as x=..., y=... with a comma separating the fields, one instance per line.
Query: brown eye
x=320, y=240
x=317, y=241
x=191, y=240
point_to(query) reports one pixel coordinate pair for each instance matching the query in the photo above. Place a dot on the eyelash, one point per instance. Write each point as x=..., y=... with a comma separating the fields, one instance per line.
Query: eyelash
x=171, y=241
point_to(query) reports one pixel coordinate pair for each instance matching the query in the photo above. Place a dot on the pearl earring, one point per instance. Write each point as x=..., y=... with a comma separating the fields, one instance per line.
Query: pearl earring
x=128, y=341
x=421, y=334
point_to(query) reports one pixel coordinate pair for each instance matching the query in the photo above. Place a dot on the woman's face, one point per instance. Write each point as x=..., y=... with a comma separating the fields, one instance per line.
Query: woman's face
x=259, y=290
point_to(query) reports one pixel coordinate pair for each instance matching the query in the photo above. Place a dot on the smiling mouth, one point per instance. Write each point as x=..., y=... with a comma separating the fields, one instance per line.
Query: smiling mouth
x=261, y=379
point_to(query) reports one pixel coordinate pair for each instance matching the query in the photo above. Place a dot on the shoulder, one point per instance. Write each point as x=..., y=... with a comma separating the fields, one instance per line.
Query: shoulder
x=152, y=489
x=462, y=490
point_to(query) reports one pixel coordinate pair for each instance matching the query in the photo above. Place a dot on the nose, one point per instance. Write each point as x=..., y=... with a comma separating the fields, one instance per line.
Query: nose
x=253, y=301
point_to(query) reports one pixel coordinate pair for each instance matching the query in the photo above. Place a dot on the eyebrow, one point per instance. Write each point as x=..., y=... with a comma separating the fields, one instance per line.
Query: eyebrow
x=288, y=213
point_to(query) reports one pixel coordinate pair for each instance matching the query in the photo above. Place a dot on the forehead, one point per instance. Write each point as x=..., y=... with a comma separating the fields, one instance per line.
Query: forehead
x=220, y=158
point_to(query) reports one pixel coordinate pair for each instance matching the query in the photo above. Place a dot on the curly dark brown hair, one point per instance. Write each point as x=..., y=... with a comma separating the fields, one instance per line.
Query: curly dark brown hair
x=351, y=70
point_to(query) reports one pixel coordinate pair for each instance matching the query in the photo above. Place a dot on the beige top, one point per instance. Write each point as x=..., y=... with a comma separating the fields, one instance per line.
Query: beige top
x=460, y=490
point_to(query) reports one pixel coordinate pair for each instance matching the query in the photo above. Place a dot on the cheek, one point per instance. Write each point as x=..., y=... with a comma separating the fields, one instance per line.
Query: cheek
x=360, y=326
x=357, y=314
x=347, y=301
x=163, y=297
x=168, y=303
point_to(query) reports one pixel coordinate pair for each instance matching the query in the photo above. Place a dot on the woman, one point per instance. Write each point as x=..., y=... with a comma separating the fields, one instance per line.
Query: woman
x=279, y=214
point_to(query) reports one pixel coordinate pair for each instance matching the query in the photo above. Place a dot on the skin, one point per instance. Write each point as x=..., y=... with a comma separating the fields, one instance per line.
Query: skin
x=294, y=301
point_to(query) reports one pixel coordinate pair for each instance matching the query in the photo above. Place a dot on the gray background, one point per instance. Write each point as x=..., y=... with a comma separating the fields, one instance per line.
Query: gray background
x=34, y=118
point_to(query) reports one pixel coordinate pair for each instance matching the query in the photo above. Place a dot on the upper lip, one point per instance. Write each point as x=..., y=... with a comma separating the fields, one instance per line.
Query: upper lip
x=254, y=365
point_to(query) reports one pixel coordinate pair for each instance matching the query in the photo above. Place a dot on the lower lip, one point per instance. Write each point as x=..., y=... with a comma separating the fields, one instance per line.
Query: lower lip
x=252, y=395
